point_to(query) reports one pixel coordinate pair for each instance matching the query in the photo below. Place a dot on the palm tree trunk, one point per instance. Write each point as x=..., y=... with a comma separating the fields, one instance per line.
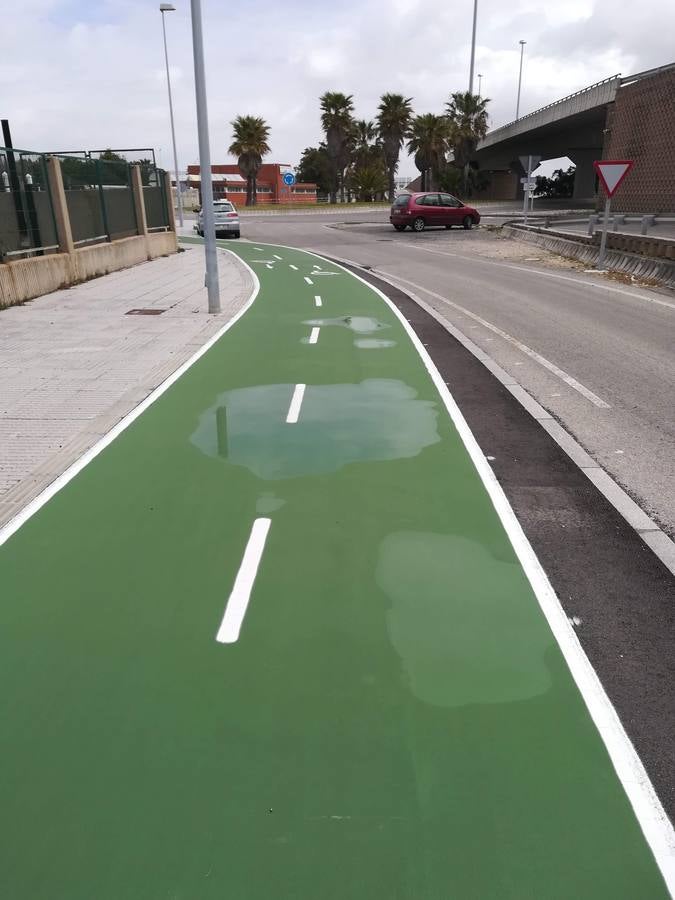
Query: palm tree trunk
x=392, y=186
x=342, y=186
x=248, y=190
x=254, y=190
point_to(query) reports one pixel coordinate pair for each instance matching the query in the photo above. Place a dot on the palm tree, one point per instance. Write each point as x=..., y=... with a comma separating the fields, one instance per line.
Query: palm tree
x=364, y=136
x=249, y=146
x=468, y=117
x=393, y=124
x=336, y=120
x=428, y=142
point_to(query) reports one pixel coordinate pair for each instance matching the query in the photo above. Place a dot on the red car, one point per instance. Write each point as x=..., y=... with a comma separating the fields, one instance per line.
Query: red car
x=418, y=211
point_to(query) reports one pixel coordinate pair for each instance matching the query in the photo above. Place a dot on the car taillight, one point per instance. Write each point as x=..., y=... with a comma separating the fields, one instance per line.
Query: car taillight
x=232, y=215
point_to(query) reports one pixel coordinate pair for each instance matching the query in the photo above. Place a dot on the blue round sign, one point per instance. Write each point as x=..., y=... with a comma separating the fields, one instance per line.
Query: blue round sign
x=289, y=178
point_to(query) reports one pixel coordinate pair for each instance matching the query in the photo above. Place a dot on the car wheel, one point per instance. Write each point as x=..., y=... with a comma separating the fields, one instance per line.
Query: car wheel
x=200, y=233
x=237, y=234
x=399, y=227
x=467, y=222
x=418, y=224
x=448, y=227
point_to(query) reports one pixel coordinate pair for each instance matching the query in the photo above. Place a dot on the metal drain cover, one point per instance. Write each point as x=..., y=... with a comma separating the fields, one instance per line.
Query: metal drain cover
x=145, y=312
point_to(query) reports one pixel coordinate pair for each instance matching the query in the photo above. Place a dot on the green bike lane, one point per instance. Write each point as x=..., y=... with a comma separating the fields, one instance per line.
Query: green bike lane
x=395, y=719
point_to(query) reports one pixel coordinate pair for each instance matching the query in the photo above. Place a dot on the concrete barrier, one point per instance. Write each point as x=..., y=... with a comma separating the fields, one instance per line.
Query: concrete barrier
x=586, y=250
x=24, y=279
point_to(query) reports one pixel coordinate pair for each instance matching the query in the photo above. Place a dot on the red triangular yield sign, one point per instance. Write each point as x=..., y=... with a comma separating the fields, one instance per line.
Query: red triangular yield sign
x=612, y=172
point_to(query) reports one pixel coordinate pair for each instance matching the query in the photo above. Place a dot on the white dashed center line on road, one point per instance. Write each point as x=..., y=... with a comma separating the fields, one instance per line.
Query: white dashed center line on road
x=277, y=257
x=314, y=336
x=308, y=280
x=317, y=300
x=296, y=403
x=293, y=267
x=237, y=603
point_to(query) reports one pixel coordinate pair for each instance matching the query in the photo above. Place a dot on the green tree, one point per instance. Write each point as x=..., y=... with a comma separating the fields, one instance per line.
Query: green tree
x=250, y=135
x=428, y=142
x=337, y=122
x=110, y=156
x=468, y=119
x=367, y=175
x=314, y=167
x=393, y=122
x=559, y=185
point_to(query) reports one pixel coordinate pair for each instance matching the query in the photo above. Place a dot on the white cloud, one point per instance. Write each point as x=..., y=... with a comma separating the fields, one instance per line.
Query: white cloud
x=90, y=75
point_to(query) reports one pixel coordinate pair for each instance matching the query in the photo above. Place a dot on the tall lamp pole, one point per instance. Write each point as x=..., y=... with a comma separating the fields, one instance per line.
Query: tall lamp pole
x=479, y=77
x=520, y=77
x=473, y=45
x=163, y=8
x=211, y=279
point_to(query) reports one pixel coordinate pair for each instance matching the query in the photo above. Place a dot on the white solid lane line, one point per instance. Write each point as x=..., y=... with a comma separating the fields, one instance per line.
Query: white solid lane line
x=317, y=300
x=237, y=602
x=293, y=267
x=314, y=336
x=308, y=280
x=277, y=257
x=572, y=382
x=296, y=403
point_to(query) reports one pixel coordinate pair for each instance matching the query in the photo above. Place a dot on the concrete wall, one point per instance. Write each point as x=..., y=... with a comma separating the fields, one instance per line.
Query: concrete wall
x=23, y=279
x=641, y=126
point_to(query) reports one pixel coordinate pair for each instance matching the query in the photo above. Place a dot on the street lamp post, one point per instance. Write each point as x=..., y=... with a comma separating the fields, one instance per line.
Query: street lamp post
x=520, y=77
x=211, y=279
x=473, y=45
x=163, y=8
x=479, y=76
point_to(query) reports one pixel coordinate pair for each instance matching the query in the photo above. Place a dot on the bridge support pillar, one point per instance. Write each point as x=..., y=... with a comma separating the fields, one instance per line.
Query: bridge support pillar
x=584, y=176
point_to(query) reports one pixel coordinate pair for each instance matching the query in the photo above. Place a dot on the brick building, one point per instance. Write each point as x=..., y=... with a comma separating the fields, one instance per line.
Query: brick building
x=641, y=126
x=229, y=182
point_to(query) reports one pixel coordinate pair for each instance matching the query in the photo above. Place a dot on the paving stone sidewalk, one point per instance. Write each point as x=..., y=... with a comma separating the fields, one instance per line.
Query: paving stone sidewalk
x=73, y=363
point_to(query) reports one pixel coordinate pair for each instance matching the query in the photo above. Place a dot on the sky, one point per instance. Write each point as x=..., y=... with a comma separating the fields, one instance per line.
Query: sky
x=89, y=74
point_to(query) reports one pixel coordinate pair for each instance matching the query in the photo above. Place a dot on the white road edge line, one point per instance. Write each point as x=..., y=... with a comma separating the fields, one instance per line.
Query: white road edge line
x=62, y=480
x=532, y=271
x=308, y=280
x=528, y=351
x=317, y=300
x=296, y=403
x=655, y=824
x=314, y=336
x=237, y=602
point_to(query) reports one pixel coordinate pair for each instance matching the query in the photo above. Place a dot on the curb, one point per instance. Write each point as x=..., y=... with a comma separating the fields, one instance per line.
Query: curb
x=647, y=529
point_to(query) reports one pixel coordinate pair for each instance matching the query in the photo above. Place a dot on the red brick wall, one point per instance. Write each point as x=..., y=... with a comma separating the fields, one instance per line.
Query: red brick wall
x=641, y=126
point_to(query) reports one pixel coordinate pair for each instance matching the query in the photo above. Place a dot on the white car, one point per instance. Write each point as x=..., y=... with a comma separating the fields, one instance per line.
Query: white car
x=226, y=219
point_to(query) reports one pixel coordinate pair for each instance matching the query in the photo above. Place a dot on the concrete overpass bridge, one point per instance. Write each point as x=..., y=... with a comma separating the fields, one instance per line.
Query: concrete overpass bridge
x=576, y=126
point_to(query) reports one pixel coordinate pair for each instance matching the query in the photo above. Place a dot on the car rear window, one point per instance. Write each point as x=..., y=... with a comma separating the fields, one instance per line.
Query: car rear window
x=402, y=200
x=223, y=206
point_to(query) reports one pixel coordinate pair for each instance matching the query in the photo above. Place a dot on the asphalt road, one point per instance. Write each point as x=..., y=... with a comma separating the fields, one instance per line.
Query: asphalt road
x=595, y=353
x=393, y=703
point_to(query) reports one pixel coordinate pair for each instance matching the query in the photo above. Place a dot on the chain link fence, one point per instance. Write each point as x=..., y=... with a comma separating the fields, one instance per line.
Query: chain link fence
x=27, y=223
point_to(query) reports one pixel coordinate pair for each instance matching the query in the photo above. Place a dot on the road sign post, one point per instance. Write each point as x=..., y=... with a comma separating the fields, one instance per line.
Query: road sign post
x=611, y=173
x=529, y=163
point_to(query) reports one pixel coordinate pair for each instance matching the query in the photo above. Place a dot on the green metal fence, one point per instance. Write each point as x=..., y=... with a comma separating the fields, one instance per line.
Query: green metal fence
x=155, y=199
x=27, y=223
x=99, y=199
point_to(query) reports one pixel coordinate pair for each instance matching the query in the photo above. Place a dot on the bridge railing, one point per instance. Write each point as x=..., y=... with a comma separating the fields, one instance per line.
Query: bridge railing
x=611, y=84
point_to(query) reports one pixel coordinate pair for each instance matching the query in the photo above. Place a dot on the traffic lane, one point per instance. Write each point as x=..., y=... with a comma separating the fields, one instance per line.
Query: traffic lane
x=620, y=349
x=615, y=344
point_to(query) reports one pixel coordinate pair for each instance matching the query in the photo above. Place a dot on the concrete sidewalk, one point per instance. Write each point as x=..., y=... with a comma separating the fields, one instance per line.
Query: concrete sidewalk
x=73, y=363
